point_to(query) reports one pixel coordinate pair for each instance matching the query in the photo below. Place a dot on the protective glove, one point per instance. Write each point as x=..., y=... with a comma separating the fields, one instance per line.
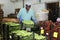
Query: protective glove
x=20, y=20
x=34, y=21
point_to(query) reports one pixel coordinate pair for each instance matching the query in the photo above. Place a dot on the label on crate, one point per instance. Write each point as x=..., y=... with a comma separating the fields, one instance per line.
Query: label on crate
x=55, y=34
x=42, y=31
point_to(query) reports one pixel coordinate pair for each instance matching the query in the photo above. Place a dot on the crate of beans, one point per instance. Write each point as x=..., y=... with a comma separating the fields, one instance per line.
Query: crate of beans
x=13, y=26
x=28, y=24
x=24, y=35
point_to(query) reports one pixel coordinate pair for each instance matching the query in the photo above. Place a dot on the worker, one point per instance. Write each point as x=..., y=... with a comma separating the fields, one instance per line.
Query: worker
x=26, y=13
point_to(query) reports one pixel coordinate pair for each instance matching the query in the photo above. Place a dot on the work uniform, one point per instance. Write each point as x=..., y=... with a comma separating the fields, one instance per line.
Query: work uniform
x=24, y=15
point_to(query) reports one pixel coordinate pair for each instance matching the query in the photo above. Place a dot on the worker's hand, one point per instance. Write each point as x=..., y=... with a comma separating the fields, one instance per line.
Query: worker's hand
x=35, y=22
x=20, y=20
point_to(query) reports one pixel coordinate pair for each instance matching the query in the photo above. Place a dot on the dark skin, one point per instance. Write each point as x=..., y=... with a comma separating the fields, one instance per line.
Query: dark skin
x=28, y=7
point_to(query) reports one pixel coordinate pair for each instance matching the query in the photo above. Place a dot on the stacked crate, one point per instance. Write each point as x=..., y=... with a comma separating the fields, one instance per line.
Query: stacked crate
x=55, y=33
x=1, y=31
x=24, y=35
x=46, y=29
x=59, y=33
x=41, y=28
x=28, y=24
x=8, y=27
x=13, y=26
x=20, y=34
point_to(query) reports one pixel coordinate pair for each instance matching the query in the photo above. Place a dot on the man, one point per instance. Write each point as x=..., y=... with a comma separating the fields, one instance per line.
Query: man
x=26, y=13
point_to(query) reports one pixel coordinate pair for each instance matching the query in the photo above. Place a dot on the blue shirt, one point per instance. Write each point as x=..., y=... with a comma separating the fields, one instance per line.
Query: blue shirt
x=26, y=15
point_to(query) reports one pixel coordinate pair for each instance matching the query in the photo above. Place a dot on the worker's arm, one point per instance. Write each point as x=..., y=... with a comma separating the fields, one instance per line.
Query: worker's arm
x=19, y=15
x=33, y=18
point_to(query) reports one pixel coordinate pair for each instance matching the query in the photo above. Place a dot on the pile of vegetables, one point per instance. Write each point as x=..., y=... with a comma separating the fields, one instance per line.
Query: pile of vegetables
x=28, y=23
x=24, y=35
x=28, y=35
x=13, y=26
x=39, y=37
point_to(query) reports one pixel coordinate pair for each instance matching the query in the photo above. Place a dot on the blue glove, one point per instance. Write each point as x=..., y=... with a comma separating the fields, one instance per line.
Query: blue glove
x=20, y=20
x=34, y=21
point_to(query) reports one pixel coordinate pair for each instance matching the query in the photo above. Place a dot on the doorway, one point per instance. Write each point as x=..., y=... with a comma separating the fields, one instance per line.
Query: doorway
x=53, y=10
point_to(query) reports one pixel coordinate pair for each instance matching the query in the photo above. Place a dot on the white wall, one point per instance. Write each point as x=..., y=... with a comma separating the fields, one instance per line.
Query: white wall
x=47, y=1
x=19, y=4
x=59, y=2
x=8, y=7
x=35, y=4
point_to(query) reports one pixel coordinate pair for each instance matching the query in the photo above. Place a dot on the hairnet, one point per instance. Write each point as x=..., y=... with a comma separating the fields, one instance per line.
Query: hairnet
x=28, y=4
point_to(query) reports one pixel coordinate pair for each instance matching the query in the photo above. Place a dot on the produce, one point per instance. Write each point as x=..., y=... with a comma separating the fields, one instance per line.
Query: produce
x=22, y=33
x=12, y=24
x=39, y=37
x=28, y=35
x=28, y=23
